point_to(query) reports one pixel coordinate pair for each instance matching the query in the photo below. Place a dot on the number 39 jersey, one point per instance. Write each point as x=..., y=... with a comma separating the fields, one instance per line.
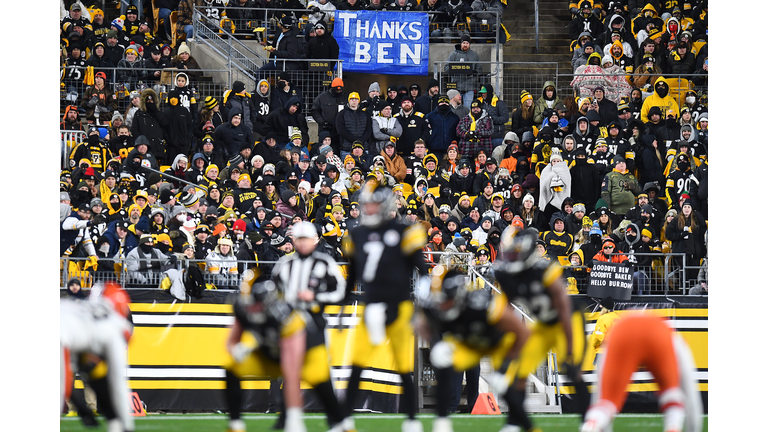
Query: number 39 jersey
x=383, y=258
x=528, y=289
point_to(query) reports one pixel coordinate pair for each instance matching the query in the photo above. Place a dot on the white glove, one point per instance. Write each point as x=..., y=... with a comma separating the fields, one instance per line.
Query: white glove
x=441, y=355
x=499, y=383
x=423, y=287
x=240, y=351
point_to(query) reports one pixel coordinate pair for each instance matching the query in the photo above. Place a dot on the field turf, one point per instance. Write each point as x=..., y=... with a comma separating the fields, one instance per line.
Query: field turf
x=366, y=423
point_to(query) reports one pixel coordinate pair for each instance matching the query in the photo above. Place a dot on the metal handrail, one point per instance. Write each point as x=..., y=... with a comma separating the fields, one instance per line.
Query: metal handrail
x=536, y=23
x=302, y=15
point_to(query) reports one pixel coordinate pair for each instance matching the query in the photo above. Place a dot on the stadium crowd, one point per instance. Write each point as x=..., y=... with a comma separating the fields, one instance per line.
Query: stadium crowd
x=616, y=172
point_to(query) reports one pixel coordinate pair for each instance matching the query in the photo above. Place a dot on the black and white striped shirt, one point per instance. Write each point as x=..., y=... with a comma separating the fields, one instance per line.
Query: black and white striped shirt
x=317, y=272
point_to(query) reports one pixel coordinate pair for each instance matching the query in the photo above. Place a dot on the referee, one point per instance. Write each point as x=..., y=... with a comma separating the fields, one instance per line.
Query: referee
x=307, y=280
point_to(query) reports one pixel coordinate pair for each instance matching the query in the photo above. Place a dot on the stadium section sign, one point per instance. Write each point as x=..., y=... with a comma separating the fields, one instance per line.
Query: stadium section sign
x=383, y=42
x=610, y=279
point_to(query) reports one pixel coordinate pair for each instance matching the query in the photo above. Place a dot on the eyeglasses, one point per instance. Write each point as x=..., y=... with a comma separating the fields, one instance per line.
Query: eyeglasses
x=607, y=247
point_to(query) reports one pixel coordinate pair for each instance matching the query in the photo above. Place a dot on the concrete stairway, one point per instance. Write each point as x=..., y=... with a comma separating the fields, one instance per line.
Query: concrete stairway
x=519, y=19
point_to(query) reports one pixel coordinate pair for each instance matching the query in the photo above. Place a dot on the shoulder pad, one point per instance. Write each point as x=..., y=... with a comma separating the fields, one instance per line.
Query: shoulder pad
x=414, y=238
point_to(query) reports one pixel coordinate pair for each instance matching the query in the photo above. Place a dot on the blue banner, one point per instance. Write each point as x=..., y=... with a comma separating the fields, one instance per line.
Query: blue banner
x=383, y=42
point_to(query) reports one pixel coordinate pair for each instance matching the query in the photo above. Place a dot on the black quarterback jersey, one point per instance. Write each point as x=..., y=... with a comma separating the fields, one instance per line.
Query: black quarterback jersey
x=476, y=324
x=277, y=321
x=527, y=289
x=382, y=259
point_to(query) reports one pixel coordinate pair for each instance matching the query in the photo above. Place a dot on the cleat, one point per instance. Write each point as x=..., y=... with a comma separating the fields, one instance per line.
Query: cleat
x=442, y=424
x=348, y=425
x=589, y=426
x=412, y=426
x=71, y=413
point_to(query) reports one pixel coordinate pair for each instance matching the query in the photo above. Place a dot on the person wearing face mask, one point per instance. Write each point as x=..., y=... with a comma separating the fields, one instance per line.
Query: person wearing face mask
x=145, y=263
x=94, y=149
x=121, y=143
x=661, y=98
x=443, y=123
x=326, y=106
x=585, y=180
x=679, y=180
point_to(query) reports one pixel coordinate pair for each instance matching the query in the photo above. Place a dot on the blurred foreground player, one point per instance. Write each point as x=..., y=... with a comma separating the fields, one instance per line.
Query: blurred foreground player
x=308, y=280
x=287, y=344
x=645, y=340
x=465, y=326
x=538, y=286
x=383, y=254
x=94, y=337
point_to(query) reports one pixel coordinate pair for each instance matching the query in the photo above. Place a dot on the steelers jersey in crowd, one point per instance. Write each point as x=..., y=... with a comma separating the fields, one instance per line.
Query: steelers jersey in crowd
x=475, y=325
x=382, y=259
x=527, y=289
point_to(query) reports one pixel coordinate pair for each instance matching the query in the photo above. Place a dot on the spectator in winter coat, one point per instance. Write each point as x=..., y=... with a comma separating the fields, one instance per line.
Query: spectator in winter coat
x=222, y=263
x=427, y=102
x=326, y=107
x=184, y=60
x=261, y=102
x=443, y=123
x=353, y=124
x=522, y=117
x=619, y=187
x=285, y=46
x=323, y=46
x=238, y=97
x=150, y=122
x=290, y=115
x=585, y=180
x=497, y=110
x=607, y=109
x=680, y=61
x=548, y=100
x=531, y=215
x=131, y=68
x=145, y=263
x=384, y=128
x=686, y=232
x=232, y=135
x=584, y=20
x=285, y=90
x=465, y=83
x=394, y=162
x=179, y=127
x=651, y=160
x=415, y=126
x=660, y=99
x=98, y=98
x=474, y=131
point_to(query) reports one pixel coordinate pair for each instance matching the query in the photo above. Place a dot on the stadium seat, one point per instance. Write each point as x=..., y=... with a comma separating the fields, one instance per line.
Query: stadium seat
x=678, y=87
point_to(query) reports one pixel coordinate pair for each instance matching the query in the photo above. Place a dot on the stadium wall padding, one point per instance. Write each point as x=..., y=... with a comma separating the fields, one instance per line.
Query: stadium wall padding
x=177, y=349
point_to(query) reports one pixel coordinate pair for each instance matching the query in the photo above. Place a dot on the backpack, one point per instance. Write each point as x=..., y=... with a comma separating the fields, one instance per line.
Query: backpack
x=194, y=282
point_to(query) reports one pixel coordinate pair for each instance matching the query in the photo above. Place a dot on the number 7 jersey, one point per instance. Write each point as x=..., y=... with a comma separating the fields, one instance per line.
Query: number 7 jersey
x=382, y=259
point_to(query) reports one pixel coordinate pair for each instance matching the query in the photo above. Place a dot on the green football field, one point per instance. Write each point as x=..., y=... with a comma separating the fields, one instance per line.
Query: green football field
x=369, y=423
